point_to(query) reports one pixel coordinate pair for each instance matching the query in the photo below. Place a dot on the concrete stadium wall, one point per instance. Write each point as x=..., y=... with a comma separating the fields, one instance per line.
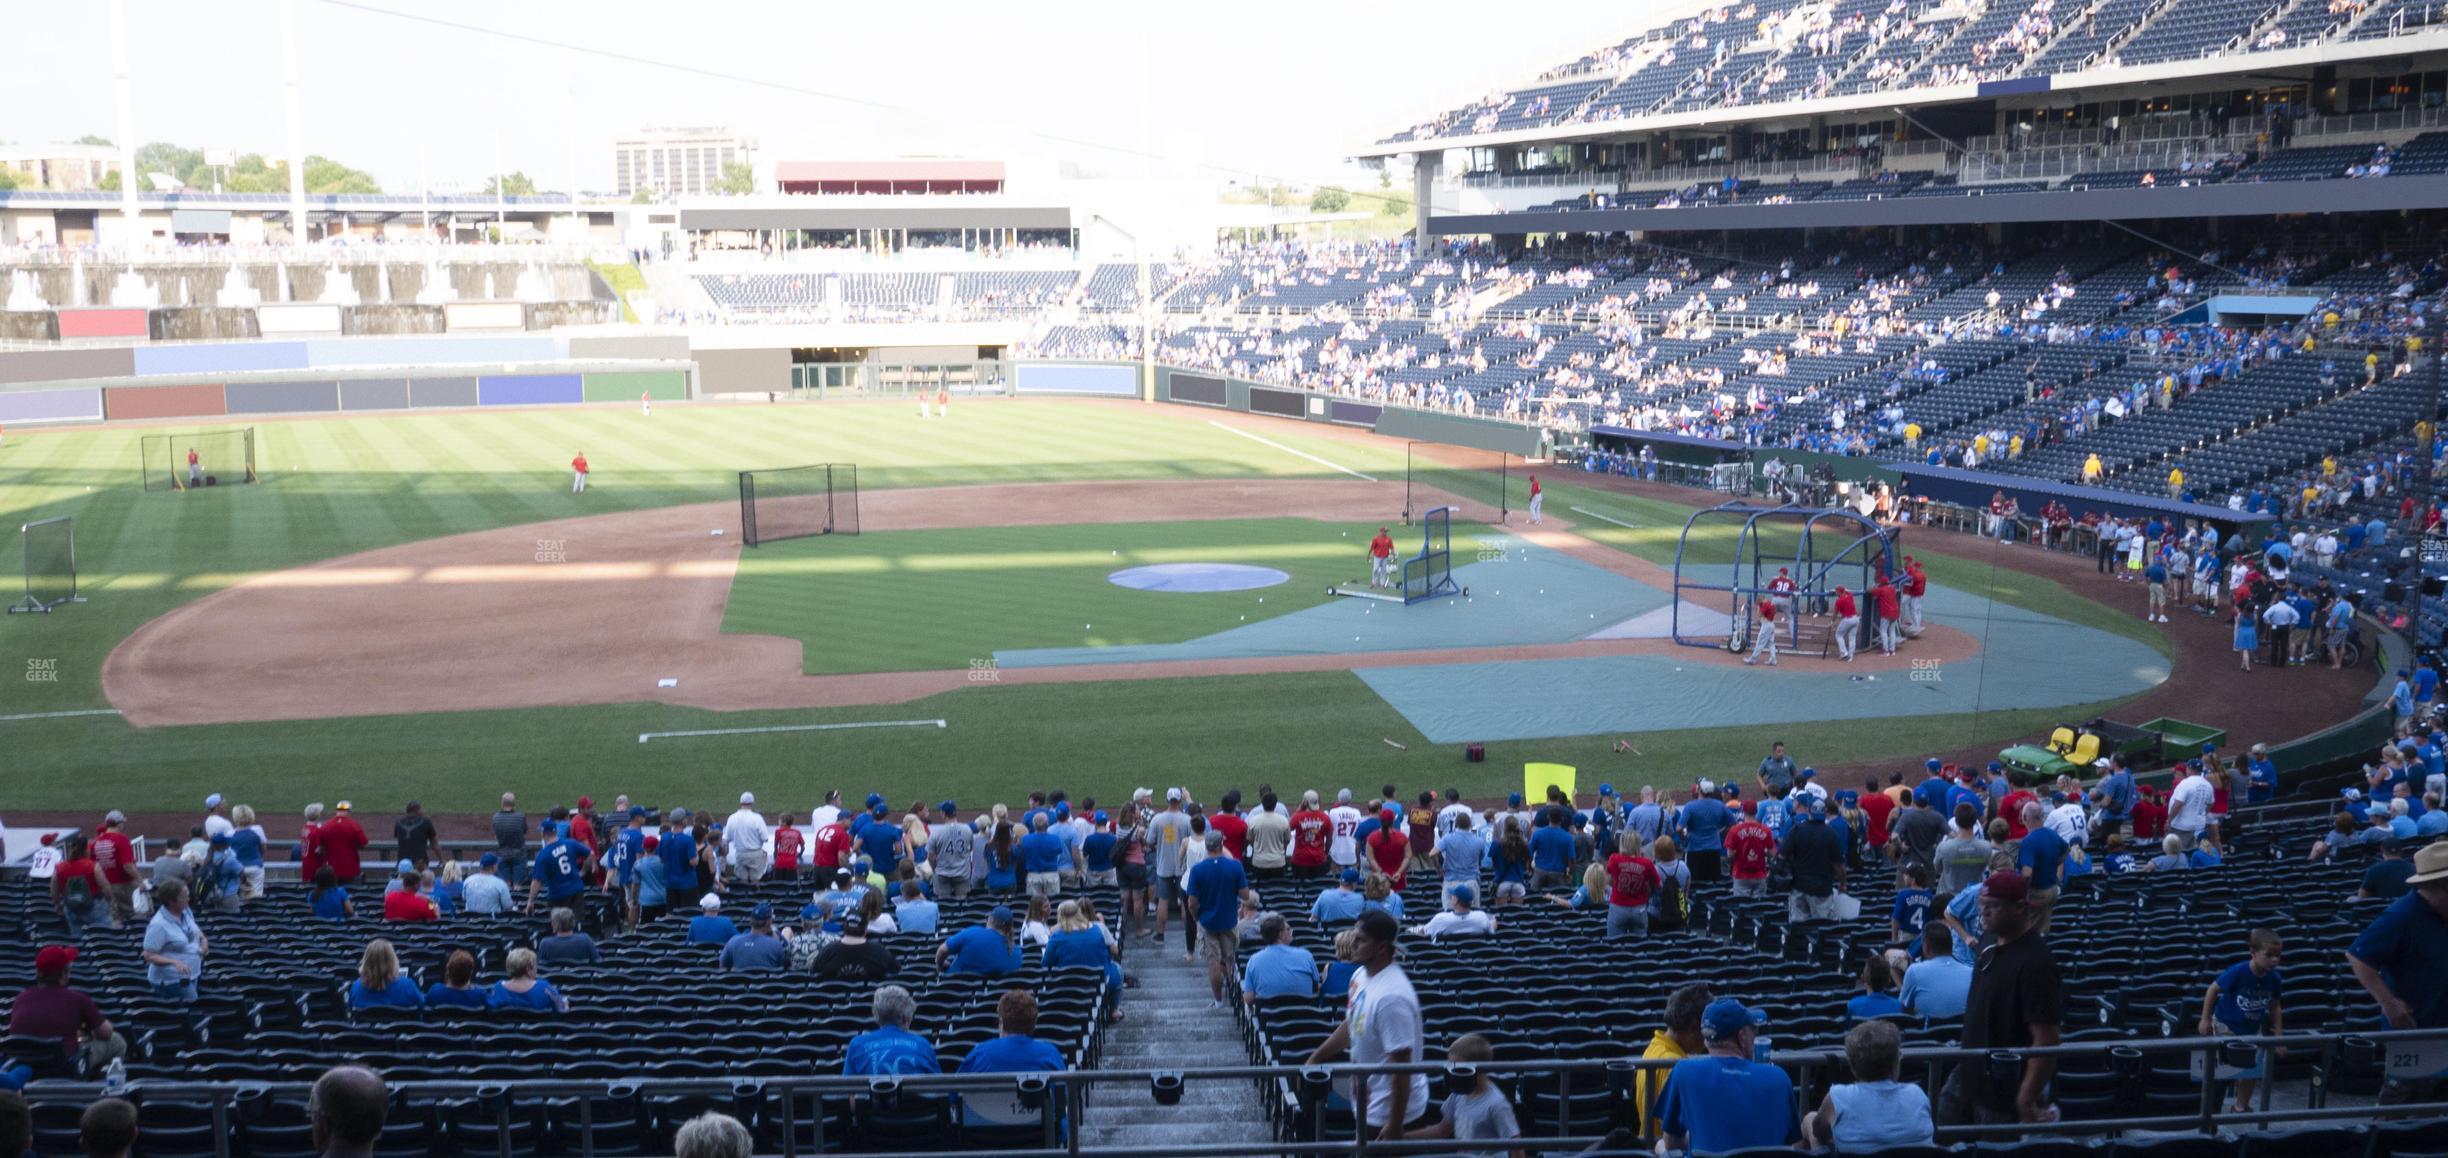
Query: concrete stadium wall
x=44, y=407
x=743, y=371
x=1064, y=378
x=1216, y=392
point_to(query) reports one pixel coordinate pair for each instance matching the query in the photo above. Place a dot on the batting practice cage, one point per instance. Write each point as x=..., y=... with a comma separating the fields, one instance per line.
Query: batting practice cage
x=1477, y=485
x=49, y=548
x=1730, y=556
x=222, y=456
x=796, y=501
x=1424, y=576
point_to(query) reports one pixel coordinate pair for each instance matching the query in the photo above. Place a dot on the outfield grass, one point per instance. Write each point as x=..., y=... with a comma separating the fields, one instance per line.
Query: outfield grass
x=333, y=487
x=929, y=600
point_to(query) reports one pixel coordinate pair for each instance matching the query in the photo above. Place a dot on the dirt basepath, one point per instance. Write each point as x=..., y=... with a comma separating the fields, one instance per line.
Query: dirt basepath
x=599, y=609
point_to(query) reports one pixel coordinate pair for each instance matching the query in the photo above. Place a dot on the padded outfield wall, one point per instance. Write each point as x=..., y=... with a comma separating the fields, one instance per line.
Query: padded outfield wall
x=337, y=375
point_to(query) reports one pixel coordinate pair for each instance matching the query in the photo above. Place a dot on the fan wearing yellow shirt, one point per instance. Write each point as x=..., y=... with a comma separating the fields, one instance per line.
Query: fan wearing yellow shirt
x=1680, y=1039
x=2175, y=484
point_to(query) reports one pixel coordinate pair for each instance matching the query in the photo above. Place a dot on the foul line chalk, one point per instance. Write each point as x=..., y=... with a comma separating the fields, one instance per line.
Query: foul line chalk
x=61, y=715
x=645, y=736
x=1295, y=453
x=1607, y=518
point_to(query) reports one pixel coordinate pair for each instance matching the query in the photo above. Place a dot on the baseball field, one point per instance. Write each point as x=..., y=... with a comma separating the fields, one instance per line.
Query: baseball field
x=418, y=605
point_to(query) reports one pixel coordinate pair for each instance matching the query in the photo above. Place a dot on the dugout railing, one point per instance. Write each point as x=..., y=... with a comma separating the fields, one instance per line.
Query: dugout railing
x=795, y=1115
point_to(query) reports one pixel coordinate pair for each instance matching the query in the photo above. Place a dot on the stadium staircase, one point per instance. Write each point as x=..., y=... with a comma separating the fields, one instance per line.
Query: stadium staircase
x=1168, y=1025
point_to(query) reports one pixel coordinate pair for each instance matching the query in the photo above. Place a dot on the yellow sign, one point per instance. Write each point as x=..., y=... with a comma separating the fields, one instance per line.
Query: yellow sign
x=1537, y=777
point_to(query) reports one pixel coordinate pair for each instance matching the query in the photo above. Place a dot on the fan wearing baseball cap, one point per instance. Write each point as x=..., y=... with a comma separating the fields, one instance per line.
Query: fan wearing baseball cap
x=2017, y=1000
x=51, y=1009
x=2402, y=959
x=1723, y=1101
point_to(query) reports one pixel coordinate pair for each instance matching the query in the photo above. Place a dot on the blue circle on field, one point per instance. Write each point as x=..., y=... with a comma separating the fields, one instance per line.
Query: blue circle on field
x=1197, y=577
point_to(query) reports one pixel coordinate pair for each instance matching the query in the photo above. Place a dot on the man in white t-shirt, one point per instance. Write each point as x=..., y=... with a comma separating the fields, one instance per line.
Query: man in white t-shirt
x=1454, y=810
x=1382, y=1029
x=1345, y=851
x=2189, y=807
x=749, y=840
x=216, y=821
x=826, y=813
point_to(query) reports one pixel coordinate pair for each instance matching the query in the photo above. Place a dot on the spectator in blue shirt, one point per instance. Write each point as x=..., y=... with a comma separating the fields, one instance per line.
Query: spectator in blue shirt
x=1937, y=986
x=379, y=982
x=984, y=950
x=757, y=950
x=1724, y=1101
x=559, y=871
x=678, y=851
x=890, y=1048
x=709, y=926
x=882, y=841
x=2261, y=776
x=1705, y=820
x=1877, y=997
x=2243, y=1002
x=1216, y=888
x=913, y=911
x=1551, y=852
x=1079, y=943
x=1015, y=1052
x=328, y=900
x=1459, y=853
x=522, y=989
x=1913, y=896
x=1280, y=969
x=457, y=989
x=2041, y=856
x=1340, y=904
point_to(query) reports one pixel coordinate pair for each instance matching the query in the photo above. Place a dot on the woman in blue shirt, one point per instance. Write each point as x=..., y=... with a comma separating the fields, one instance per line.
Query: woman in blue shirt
x=457, y=989
x=1000, y=876
x=1338, y=979
x=450, y=895
x=247, y=843
x=1077, y=943
x=330, y=901
x=522, y=989
x=379, y=984
x=1380, y=894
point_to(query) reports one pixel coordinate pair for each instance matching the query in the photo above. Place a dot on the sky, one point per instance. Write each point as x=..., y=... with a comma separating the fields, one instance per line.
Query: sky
x=1277, y=89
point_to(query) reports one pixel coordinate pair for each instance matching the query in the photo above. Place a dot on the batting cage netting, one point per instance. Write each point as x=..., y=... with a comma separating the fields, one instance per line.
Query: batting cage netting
x=221, y=457
x=795, y=501
x=49, y=547
x=1478, y=484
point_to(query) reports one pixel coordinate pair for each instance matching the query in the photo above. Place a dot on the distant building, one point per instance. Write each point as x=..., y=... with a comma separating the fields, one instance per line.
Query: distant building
x=60, y=168
x=678, y=161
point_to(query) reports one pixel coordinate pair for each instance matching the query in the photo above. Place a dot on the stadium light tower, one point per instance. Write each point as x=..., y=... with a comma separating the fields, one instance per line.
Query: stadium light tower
x=128, y=177
x=297, y=128
x=1147, y=312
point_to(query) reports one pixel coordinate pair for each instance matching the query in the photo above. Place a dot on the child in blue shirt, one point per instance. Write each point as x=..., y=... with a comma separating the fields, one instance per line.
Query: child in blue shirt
x=2243, y=1002
x=1912, y=905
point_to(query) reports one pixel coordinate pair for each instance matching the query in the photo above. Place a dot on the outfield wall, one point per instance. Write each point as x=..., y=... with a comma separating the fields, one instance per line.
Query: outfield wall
x=44, y=387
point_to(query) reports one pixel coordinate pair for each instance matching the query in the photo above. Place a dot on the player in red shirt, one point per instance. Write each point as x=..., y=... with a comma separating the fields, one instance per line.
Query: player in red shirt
x=1883, y=600
x=195, y=469
x=1538, y=501
x=1748, y=847
x=1381, y=559
x=578, y=474
x=1848, y=623
x=340, y=840
x=1312, y=835
x=1764, y=634
x=1916, y=584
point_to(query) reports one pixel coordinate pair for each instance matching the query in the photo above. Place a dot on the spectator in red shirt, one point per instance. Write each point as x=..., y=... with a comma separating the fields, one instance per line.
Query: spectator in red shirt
x=77, y=891
x=1226, y=819
x=1388, y=848
x=2149, y=815
x=1748, y=847
x=114, y=857
x=1877, y=806
x=789, y=844
x=1631, y=879
x=830, y=848
x=50, y=1009
x=1312, y=836
x=2011, y=808
x=341, y=840
x=411, y=901
x=582, y=824
x=310, y=843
